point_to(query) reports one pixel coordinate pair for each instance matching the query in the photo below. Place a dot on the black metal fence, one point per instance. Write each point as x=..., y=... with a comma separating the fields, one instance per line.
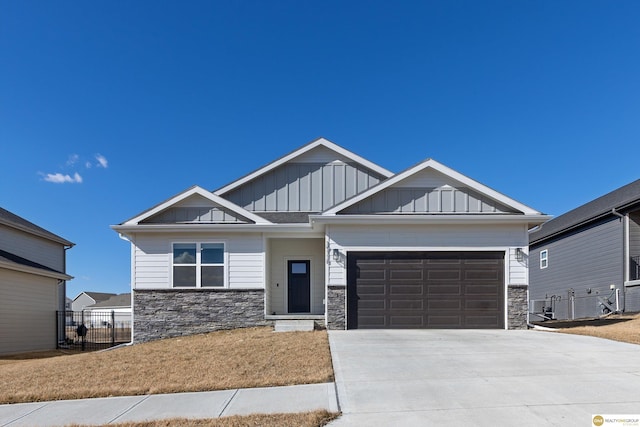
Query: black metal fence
x=92, y=329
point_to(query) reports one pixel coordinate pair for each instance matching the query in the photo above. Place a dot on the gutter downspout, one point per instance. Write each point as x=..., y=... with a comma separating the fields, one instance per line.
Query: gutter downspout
x=625, y=254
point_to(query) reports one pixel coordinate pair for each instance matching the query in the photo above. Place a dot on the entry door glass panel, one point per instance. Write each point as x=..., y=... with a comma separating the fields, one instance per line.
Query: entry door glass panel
x=299, y=286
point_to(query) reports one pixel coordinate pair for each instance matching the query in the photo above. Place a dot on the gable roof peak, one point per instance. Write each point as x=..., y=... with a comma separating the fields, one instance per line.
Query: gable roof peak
x=321, y=141
x=431, y=163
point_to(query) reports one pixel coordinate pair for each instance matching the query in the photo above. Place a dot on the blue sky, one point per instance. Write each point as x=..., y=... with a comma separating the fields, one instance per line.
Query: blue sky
x=110, y=107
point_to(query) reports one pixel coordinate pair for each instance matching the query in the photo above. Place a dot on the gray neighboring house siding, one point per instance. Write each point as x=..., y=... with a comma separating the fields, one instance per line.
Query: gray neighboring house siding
x=588, y=259
x=591, y=252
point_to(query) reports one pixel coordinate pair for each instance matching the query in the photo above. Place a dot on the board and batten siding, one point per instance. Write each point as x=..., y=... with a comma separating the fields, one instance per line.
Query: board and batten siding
x=283, y=250
x=429, y=238
x=427, y=200
x=33, y=248
x=590, y=259
x=153, y=259
x=304, y=187
x=28, y=305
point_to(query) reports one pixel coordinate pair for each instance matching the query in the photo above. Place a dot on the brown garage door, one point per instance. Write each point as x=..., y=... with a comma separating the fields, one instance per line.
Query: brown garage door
x=402, y=290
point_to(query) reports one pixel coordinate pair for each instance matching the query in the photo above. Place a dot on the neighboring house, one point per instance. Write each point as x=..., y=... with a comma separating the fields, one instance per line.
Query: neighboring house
x=585, y=263
x=325, y=235
x=84, y=299
x=32, y=284
x=116, y=311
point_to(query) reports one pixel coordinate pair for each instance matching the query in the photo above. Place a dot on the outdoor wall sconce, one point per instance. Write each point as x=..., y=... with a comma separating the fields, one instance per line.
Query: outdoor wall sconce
x=519, y=254
x=336, y=255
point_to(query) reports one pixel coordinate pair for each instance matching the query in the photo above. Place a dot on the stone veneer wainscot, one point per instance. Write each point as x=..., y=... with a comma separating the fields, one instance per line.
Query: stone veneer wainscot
x=175, y=312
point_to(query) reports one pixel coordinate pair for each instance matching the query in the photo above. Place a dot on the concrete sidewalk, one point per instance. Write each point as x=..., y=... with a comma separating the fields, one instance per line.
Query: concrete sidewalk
x=212, y=404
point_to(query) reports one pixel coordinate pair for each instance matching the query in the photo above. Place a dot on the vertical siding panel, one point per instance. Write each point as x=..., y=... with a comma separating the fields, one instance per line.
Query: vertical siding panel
x=338, y=183
x=327, y=187
x=293, y=190
x=351, y=181
x=281, y=190
x=316, y=189
x=270, y=192
x=305, y=188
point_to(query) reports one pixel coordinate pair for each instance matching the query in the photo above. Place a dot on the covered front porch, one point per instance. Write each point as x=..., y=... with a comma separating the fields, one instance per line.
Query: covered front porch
x=295, y=280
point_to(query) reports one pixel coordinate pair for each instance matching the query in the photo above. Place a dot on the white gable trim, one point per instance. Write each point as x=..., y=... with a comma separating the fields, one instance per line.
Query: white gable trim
x=204, y=193
x=432, y=164
x=318, y=142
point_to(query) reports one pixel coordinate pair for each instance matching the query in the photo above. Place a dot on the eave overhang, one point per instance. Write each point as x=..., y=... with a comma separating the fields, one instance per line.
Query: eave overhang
x=200, y=227
x=34, y=270
x=459, y=219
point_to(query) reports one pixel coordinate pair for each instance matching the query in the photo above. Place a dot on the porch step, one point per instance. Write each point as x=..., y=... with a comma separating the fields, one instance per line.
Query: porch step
x=294, y=325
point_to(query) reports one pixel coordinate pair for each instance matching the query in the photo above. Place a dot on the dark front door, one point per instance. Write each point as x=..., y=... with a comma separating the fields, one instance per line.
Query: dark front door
x=299, y=286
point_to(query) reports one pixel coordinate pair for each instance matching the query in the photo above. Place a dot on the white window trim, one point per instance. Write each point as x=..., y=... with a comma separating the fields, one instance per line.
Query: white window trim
x=199, y=243
x=544, y=260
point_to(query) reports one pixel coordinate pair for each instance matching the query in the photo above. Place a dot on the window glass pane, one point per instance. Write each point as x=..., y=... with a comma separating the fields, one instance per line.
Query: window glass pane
x=184, y=276
x=184, y=253
x=212, y=253
x=212, y=276
x=298, y=268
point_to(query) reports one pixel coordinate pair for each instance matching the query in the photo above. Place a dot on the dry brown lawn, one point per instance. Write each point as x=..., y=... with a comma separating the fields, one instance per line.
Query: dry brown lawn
x=253, y=357
x=309, y=419
x=618, y=327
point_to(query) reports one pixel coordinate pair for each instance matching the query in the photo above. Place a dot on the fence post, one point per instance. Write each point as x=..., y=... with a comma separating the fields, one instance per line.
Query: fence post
x=113, y=328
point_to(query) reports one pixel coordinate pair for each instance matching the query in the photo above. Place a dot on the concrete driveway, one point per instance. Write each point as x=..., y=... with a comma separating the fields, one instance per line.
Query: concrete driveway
x=481, y=378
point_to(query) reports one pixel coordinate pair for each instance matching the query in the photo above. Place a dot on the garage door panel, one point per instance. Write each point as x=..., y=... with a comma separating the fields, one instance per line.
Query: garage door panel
x=444, y=289
x=377, y=304
x=406, y=321
x=371, y=290
x=376, y=322
x=397, y=289
x=417, y=274
x=481, y=305
x=482, y=275
x=438, y=274
x=426, y=290
x=416, y=304
x=442, y=304
x=436, y=321
x=372, y=274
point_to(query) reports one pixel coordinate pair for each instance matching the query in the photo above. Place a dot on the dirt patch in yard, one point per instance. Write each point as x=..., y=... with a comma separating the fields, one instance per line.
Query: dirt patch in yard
x=619, y=327
x=253, y=357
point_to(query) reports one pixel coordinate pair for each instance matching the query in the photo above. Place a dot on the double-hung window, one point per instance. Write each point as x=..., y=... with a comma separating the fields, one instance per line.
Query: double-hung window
x=544, y=259
x=198, y=265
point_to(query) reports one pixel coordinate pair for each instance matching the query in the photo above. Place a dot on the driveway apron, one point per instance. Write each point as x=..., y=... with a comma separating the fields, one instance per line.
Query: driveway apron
x=481, y=378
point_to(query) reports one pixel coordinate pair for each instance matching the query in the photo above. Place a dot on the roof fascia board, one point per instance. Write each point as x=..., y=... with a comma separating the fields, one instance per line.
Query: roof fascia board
x=204, y=193
x=433, y=164
x=34, y=270
x=127, y=229
x=304, y=149
x=432, y=219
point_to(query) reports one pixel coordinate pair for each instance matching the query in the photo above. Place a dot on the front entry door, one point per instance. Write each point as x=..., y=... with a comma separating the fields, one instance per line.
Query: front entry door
x=299, y=286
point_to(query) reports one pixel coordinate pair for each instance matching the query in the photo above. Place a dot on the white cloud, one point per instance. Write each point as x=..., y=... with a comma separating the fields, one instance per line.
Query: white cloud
x=72, y=160
x=58, y=178
x=102, y=161
x=88, y=165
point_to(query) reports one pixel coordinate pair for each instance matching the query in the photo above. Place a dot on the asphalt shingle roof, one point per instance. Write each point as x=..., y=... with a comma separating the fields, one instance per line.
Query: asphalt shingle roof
x=602, y=206
x=16, y=221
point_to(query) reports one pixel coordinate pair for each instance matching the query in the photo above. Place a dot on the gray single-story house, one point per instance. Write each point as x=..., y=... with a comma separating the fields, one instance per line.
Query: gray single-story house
x=586, y=262
x=323, y=235
x=87, y=298
x=32, y=284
